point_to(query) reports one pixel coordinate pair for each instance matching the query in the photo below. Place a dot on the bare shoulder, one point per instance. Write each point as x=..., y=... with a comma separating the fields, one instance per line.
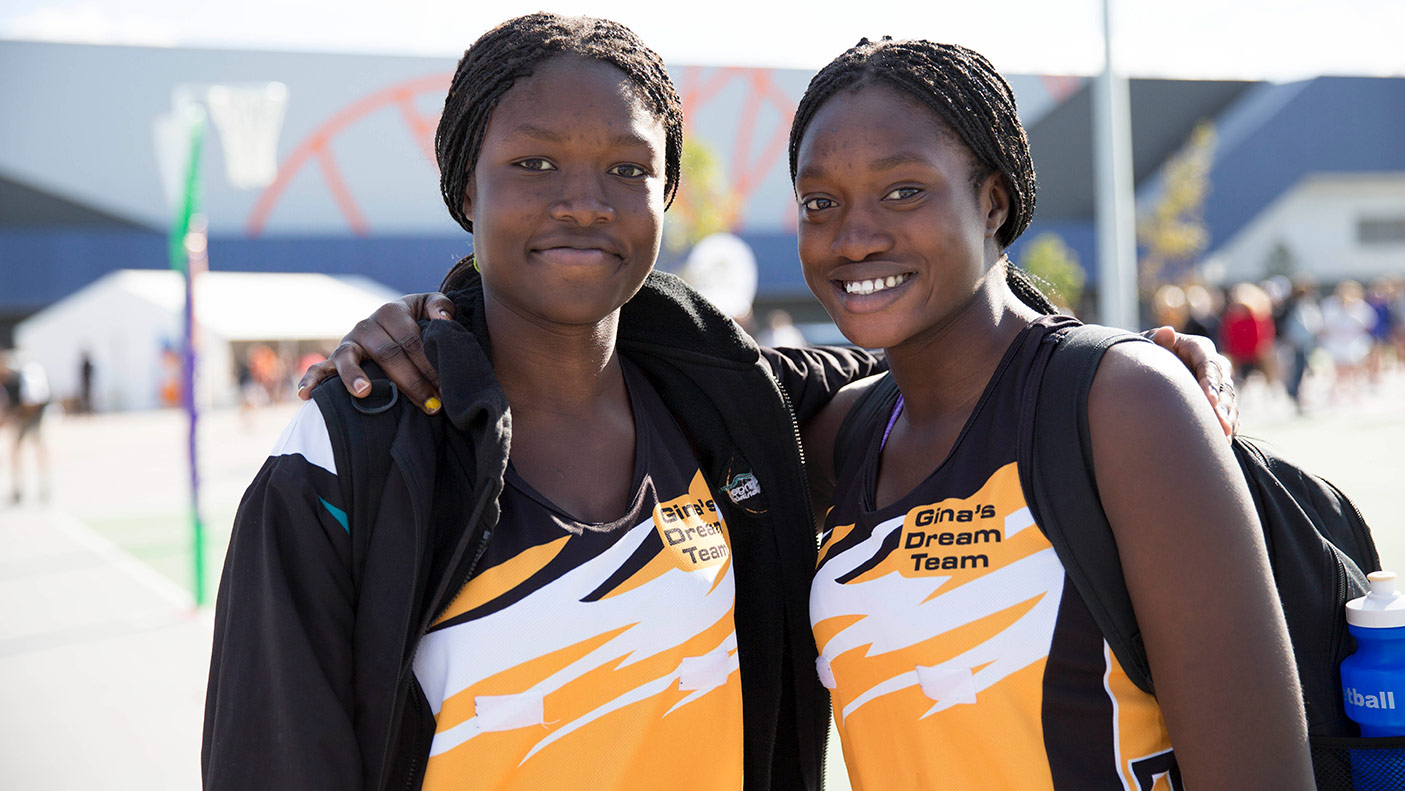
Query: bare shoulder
x=1144, y=389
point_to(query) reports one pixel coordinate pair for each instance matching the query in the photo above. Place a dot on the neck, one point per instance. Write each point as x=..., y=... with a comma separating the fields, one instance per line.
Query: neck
x=943, y=373
x=556, y=370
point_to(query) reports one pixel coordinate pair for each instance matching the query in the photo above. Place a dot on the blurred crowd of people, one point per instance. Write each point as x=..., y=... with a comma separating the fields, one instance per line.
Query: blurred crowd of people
x=1284, y=330
x=267, y=376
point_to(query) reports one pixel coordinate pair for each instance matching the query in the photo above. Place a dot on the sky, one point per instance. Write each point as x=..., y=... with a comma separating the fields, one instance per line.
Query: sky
x=1238, y=39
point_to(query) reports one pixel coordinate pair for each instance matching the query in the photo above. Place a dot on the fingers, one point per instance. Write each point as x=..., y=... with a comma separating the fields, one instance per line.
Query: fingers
x=1212, y=370
x=1215, y=374
x=405, y=361
x=438, y=306
x=314, y=375
x=1227, y=407
x=391, y=337
x=347, y=358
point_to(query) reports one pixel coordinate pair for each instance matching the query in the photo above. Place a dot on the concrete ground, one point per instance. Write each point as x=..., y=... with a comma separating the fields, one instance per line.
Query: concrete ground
x=103, y=656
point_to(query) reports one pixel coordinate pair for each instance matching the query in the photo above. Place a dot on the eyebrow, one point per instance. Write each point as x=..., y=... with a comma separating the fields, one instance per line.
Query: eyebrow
x=903, y=158
x=541, y=133
x=882, y=163
x=551, y=136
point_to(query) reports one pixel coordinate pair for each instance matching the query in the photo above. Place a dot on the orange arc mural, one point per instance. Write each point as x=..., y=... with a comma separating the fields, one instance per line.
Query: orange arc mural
x=747, y=169
x=316, y=146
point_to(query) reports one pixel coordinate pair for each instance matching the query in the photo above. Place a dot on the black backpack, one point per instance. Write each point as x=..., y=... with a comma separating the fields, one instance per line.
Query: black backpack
x=1319, y=546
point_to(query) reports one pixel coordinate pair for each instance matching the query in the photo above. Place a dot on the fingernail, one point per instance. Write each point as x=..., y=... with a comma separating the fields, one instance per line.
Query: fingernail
x=360, y=386
x=432, y=405
x=444, y=314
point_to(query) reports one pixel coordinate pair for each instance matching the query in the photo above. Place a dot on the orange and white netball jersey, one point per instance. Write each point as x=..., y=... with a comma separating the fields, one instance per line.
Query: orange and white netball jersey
x=957, y=652
x=594, y=656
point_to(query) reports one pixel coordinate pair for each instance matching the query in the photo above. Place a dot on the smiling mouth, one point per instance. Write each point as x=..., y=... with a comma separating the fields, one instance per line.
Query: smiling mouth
x=873, y=286
x=577, y=255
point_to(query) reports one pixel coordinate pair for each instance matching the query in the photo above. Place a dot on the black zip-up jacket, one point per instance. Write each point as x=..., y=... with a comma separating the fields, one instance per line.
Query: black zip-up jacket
x=311, y=680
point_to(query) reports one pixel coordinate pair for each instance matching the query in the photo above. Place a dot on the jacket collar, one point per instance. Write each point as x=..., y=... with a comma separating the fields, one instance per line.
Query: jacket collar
x=474, y=402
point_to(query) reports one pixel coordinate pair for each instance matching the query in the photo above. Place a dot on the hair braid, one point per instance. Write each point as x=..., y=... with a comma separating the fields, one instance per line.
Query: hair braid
x=1025, y=285
x=512, y=51
x=964, y=91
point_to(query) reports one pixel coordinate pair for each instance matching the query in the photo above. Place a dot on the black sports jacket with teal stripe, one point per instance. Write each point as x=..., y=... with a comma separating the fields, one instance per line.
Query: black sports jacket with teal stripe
x=316, y=622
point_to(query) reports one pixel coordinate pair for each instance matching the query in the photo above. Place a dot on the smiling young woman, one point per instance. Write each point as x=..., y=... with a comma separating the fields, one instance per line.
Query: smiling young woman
x=591, y=570
x=955, y=646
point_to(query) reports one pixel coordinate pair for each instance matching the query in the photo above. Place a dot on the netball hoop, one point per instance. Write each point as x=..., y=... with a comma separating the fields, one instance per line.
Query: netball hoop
x=249, y=117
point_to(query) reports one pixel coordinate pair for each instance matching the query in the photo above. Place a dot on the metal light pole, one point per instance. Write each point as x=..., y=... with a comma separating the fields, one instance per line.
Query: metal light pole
x=1116, y=206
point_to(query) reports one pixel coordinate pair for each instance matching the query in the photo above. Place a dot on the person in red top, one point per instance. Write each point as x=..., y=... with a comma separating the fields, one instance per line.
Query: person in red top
x=1246, y=331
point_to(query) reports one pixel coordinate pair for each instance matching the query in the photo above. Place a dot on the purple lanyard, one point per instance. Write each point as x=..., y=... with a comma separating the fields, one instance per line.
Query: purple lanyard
x=892, y=420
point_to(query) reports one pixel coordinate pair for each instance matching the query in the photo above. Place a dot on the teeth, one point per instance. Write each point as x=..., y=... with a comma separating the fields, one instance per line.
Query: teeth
x=872, y=286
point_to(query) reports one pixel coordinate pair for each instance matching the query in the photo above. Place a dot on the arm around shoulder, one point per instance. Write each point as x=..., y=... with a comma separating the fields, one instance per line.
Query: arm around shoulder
x=819, y=435
x=813, y=375
x=1195, y=564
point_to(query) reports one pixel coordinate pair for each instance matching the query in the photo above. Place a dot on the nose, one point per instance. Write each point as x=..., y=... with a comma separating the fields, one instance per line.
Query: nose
x=583, y=201
x=860, y=236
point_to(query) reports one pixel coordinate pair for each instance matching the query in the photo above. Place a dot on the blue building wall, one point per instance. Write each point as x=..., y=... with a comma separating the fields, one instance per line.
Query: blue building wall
x=1329, y=125
x=1269, y=139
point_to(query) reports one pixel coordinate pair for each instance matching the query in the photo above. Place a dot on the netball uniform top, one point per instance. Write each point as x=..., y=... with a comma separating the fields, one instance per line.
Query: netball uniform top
x=957, y=652
x=594, y=656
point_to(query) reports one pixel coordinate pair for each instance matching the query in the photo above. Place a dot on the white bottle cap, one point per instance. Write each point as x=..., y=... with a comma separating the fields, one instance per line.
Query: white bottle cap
x=1382, y=608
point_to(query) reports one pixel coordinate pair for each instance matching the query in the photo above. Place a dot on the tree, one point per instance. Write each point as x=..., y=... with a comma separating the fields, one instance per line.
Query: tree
x=1049, y=259
x=1172, y=231
x=706, y=202
x=1280, y=261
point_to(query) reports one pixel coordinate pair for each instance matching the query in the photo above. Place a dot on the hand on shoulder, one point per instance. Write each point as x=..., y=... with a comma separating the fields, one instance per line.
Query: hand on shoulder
x=819, y=434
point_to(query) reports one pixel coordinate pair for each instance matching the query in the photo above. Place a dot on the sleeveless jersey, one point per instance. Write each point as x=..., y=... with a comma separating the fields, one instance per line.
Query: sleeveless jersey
x=957, y=652
x=594, y=656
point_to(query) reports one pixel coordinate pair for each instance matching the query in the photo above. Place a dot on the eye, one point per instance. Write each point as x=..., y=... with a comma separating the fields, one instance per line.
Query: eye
x=629, y=171
x=817, y=204
x=902, y=193
x=535, y=163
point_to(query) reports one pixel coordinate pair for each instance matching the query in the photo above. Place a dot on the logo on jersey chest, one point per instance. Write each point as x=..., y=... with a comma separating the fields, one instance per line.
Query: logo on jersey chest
x=952, y=535
x=692, y=528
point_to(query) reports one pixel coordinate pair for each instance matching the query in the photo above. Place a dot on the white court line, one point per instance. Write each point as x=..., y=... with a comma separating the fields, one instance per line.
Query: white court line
x=122, y=559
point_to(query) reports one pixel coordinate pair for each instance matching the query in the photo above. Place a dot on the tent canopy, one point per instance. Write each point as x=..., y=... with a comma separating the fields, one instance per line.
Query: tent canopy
x=250, y=306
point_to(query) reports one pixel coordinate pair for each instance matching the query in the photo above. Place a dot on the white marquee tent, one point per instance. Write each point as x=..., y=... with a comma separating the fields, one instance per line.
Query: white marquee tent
x=128, y=320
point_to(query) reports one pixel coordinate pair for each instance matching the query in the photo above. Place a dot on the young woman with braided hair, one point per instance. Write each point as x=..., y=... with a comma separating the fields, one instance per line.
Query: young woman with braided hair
x=591, y=571
x=957, y=650
x=781, y=721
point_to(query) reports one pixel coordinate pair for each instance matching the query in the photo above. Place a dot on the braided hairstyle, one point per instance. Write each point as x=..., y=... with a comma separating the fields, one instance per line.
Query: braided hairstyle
x=969, y=97
x=513, y=51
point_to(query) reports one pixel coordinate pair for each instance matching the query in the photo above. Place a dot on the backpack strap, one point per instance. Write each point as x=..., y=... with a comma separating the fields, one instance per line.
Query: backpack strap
x=877, y=401
x=1056, y=473
x=361, y=430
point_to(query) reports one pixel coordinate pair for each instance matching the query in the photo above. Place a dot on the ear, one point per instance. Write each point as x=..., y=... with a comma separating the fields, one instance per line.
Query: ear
x=995, y=202
x=468, y=195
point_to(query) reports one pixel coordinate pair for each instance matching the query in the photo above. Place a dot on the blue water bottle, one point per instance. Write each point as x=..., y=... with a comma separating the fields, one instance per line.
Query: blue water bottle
x=1373, y=678
x=1373, y=683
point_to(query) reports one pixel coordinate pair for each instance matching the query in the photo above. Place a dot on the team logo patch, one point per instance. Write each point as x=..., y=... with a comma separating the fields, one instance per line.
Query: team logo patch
x=743, y=486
